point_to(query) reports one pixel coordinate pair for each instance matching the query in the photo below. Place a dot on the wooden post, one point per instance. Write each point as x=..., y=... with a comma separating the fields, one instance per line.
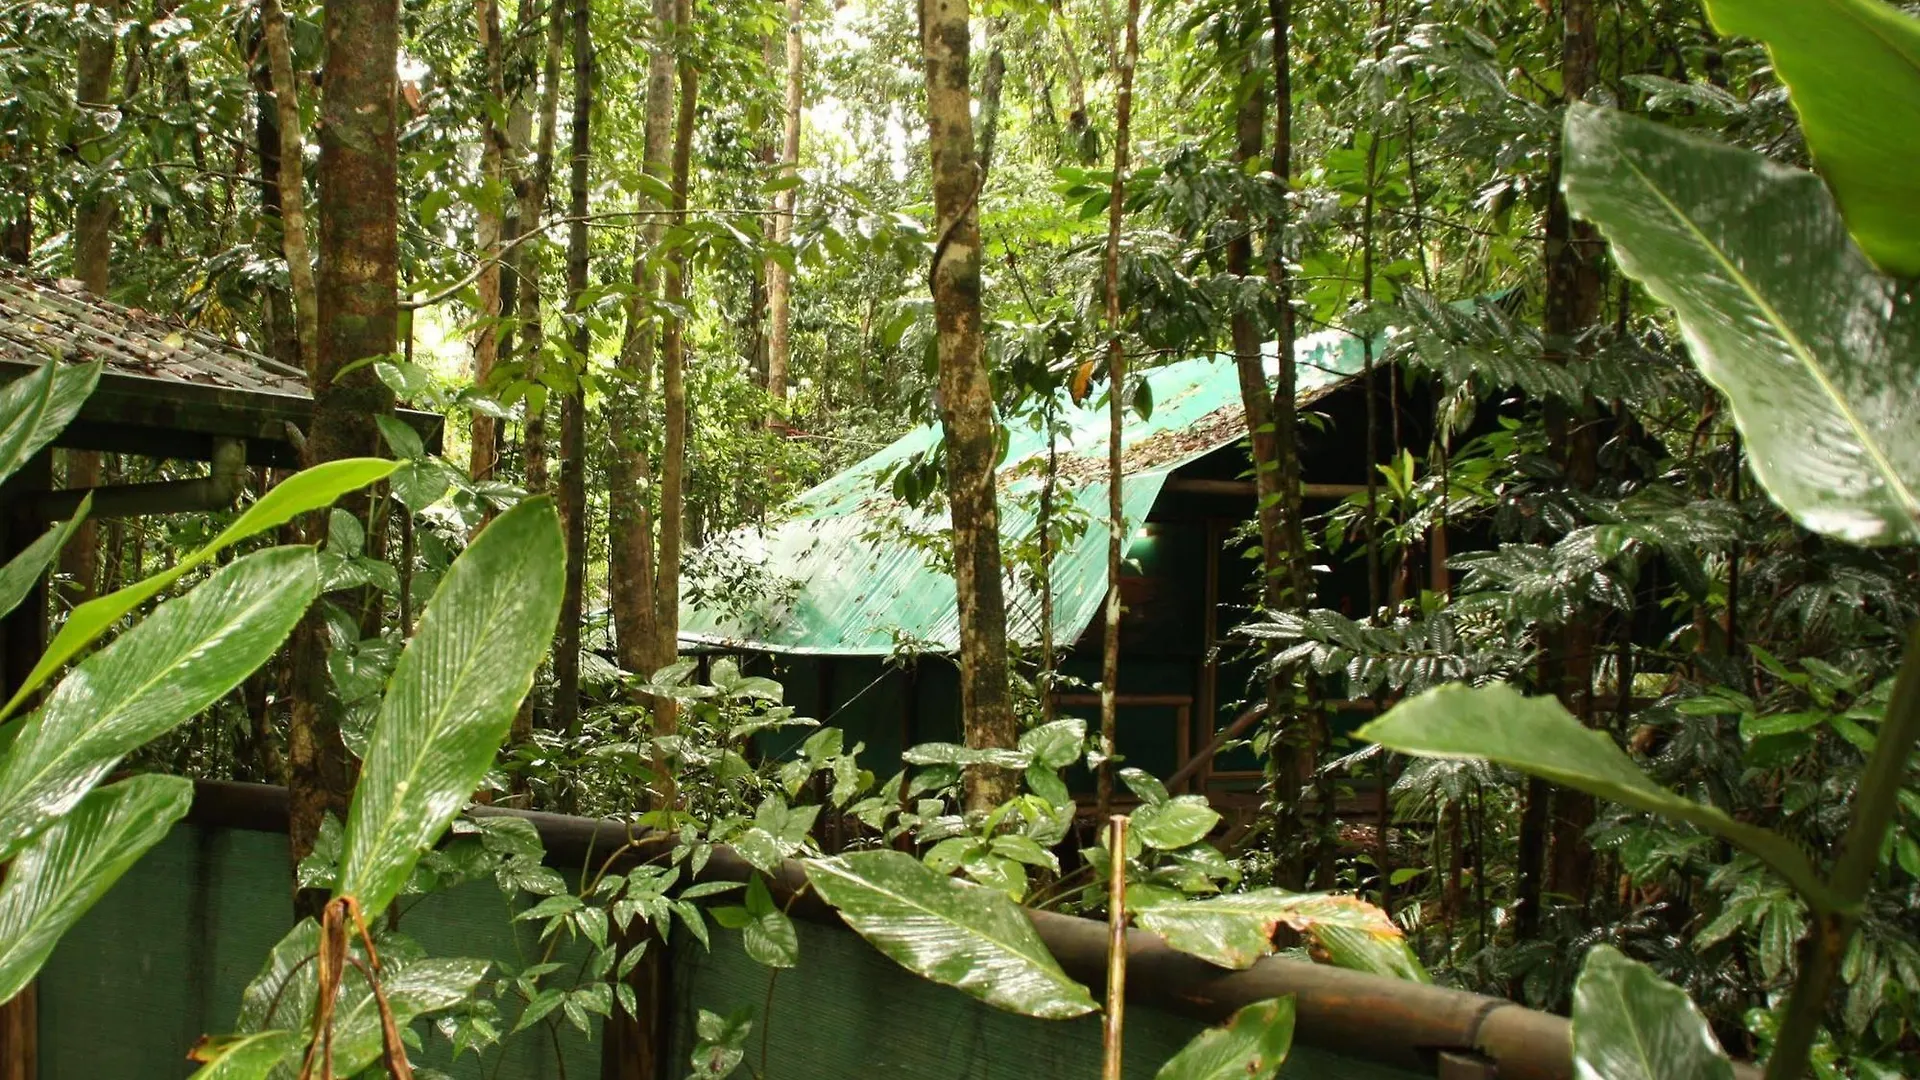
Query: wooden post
x=23, y=637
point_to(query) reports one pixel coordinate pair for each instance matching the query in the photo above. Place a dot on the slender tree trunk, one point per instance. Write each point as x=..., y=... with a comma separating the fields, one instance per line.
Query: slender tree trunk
x=573, y=417
x=1293, y=735
x=93, y=226
x=779, y=278
x=1576, y=282
x=629, y=470
x=966, y=399
x=529, y=278
x=358, y=311
x=495, y=151
x=93, y=214
x=1116, y=418
x=292, y=185
x=1079, y=123
x=673, y=364
x=991, y=82
x=276, y=303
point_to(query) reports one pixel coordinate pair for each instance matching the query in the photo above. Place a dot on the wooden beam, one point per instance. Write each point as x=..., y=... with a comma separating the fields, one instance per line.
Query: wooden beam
x=1244, y=489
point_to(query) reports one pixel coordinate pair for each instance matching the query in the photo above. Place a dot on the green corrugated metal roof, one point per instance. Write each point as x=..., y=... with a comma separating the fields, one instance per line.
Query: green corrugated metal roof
x=860, y=581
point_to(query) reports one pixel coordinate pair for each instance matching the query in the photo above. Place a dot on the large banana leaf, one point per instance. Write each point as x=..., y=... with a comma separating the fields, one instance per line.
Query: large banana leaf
x=1630, y=1024
x=1853, y=67
x=1237, y=929
x=35, y=409
x=961, y=935
x=188, y=654
x=1538, y=735
x=452, y=697
x=1250, y=1046
x=304, y=491
x=1818, y=353
x=55, y=879
x=17, y=578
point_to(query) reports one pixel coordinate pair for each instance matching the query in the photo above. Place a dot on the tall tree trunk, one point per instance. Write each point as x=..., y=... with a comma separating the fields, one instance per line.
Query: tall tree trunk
x=1576, y=282
x=276, y=303
x=292, y=186
x=358, y=312
x=673, y=386
x=93, y=226
x=779, y=278
x=992, y=81
x=1079, y=124
x=93, y=214
x=966, y=399
x=529, y=276
x=495, y=150
x=630, y=470
x=1292, y=738
x=573, y=417
x=1116, y=418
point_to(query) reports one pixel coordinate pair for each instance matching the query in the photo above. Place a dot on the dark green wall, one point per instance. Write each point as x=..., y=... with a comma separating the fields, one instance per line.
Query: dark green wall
x=163, y=958
x=847, y=1011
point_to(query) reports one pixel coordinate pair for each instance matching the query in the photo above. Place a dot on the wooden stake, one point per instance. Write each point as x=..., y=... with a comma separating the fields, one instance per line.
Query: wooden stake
x=1116, y=947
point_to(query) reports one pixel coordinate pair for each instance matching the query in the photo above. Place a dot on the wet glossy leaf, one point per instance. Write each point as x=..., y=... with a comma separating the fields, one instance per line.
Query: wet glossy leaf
x=1539, y=736
x=1817, y=352
x=184, y=657
x=245, y=1057
x=1176, y=823
x=1057, y=744
x=1237, y=929
x=304, y=491
x=452, y=697
x=1630, y=1024
x=1250, y=1046
x=960, y=935
x=768, y=935
x=1835, y=55
x=35, y=409
x=65, y=870
x=20, y=575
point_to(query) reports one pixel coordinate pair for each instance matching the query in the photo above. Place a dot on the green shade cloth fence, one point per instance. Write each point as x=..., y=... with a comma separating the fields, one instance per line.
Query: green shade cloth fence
x=164, y=957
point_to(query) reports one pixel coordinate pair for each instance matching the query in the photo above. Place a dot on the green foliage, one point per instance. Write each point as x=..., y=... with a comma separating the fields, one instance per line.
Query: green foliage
x=1252, y=1045
x=452, y=696
x=1835, y=55
x=1814, y=352
x=1630, y=1024
x=960, y=935
x=1537, y=735
x=1236, y=929
x=69, y=866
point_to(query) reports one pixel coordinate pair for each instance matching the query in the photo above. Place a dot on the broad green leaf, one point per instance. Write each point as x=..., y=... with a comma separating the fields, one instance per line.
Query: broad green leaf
x=245, y=1057
x=452, y=698
x=1175, y=823
x=1057, y=744
x=19, y=576
x=304, y=491
x=1817, y=352
x=55, y=879
x=1630, y=1024
x=1836, y=56
x=1237, y=929
x=964, y=936
x=1250, y=1046
x=769, y=935
x=283, y=993
x=1539, y=736
x=1145, y=785
x=39, y=407
x=184, y=657
x=939, y=753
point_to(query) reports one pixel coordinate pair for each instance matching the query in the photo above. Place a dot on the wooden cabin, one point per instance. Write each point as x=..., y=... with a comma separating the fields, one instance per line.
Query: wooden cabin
x=860, y=625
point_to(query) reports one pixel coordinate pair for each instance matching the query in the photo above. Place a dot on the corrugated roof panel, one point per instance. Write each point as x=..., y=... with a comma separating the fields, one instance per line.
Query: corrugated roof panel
x=855, y=562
